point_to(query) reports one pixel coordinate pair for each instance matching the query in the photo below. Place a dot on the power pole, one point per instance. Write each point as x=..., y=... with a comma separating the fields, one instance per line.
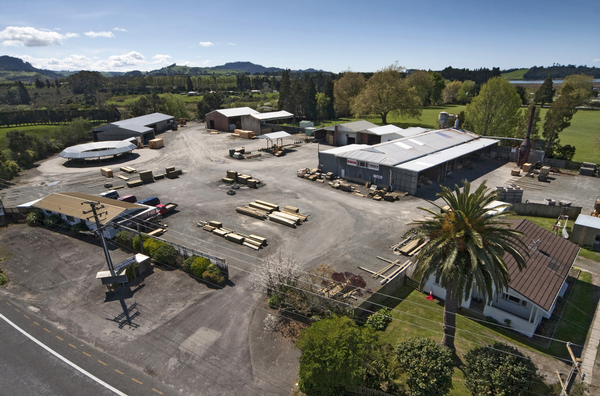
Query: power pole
x=576, y=361
x=99, y=230
x=562, y=384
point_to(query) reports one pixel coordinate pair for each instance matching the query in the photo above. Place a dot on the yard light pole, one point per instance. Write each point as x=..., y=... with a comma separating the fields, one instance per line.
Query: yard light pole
x=99, y=229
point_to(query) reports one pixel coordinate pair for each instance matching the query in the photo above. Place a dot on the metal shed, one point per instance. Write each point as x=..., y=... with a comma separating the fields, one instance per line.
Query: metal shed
x=262, y=122
x=145, y=127
x=586, y=231
x=227, y=120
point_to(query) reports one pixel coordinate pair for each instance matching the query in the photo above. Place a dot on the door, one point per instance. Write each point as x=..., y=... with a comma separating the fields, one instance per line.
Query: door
x=212, y=124
x=343, y=173
x=351, y=140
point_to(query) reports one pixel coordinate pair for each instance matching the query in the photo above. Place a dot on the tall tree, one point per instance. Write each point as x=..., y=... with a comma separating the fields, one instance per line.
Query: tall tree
x=174, y=105
x=334, y=355
x=545, y=94
x=22, y=93
x=285, y=92
x=496, y=110
x=189, y=85
x=328, y=90
x=39, y=83
x=466, y=248
x=465, y=92
x=345, y=90
x=450, y=91
x=559, y=117
x=311, y=99
x=387, y=91
x=582, y=86
x=438, y=88
x=424, y=84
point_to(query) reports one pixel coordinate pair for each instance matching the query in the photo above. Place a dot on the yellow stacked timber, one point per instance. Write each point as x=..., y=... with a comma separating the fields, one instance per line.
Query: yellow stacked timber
x=264, y=208
x=107, y=172
x=156, y=143
x=265, y=203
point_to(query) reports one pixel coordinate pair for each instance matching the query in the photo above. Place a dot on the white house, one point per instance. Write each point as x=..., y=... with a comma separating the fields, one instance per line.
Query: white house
x=532, y=292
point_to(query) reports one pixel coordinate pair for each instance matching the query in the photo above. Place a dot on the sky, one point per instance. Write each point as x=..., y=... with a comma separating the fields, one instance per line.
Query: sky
x=334, y=36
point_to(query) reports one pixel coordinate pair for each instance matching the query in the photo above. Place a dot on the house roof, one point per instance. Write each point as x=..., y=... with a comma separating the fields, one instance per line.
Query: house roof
x=550, y=260
x=70, y=204
x=236, y=111
x=145, y=120
x=399, y=151
x=98, y=149
x=588, y=221
x=273, y=115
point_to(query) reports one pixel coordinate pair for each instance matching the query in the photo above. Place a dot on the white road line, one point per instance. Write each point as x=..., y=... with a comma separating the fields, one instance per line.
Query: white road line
x=76, y=367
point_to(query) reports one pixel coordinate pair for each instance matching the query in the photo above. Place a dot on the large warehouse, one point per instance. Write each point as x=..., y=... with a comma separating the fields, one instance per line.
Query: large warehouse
x=227, y=120
x=263, y=122
x=144, y=127
x=400, y=163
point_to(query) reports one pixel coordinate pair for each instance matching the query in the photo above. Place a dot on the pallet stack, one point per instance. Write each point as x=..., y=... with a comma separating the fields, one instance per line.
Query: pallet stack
x=588, y=169
x=511, y=194
x=243, y=134
x=146, y=176
x=288, y=216
x=254, y=242
x=156, y=143
x=127, y=169
x=172, y=173
x=106, y=172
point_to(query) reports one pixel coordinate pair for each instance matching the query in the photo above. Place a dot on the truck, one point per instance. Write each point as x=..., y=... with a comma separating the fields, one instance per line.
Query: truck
x=164, y=209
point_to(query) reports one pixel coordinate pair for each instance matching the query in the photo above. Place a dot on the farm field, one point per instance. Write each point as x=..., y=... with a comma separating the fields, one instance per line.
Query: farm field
x=515, y=74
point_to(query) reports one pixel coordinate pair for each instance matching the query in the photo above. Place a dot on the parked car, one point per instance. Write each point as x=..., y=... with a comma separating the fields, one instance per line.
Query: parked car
x=112, y=194
x=128, y=198
x=164, y=209
x=152, y=201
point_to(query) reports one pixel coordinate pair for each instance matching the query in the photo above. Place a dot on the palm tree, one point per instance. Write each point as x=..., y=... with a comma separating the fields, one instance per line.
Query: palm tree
x=466, y=246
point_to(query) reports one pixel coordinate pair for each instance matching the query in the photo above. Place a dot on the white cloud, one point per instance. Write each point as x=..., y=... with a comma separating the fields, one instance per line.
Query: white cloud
x=30, y=37
x=231, y=43
x=206, y=43
x=120, y=30
x=99, y=34
x=161, y=58
x=116, y=62
x=185, y=63
x=596, y=60
x=72, y=62
x=71, y=35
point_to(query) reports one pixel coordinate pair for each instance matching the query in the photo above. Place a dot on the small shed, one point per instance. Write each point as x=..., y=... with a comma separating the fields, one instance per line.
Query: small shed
x=265, y=122
x=586, y=231
x=273, y=137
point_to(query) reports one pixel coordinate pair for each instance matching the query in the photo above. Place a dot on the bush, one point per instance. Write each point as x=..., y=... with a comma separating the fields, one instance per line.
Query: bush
x=52, y=221
x=124, y=238
x=77, y=228
x=199, y=266
x=132, y=270
x=379, y=320
x=35, y=218
x=3, y=279
x=187, y=264
x=274, y=301
x=499, y=370
x=216, y=279
x=428, y=365
x=166, y=254
x=136, y=242
x=151, y=246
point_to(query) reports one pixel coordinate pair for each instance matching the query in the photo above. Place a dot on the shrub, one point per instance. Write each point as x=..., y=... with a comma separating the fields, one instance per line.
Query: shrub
x=151, y=246
x=124, y=238
x=187, y=264
x=216, y=279
x=165, y=254
x=132, y=270
x=35, y=218
x=213, y=269
x=136, y=242
x=3, y=279
x=199, y=266
x=379, y=320
x=77, y=228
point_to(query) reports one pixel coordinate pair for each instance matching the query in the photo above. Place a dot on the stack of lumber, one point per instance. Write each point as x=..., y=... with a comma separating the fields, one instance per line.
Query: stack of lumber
x=123, y=177
x=264, y=208
x=588, y=169
x=410, y=246
x=254, y=242
x=156, y=143
x=288, y=216
x=515, y=172
x=251, y=212
x=265, y=203
x=252, y=183
x=172, y=173
x=243, y=179
x=107, y=172
x=243, y=133
x=146, y=176
x=527, y=167
x=135, y=183
x=128, y=169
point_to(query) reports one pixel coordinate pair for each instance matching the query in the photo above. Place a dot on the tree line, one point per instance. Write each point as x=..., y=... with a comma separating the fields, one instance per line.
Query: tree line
x=35, y=117
x=560, y=71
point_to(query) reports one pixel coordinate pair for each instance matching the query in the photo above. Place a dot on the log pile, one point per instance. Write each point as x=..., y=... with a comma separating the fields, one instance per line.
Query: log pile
x=252, y=241
x=410, y=246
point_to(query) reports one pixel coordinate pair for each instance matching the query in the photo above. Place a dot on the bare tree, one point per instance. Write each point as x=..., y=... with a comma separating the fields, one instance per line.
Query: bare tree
x=277, y=271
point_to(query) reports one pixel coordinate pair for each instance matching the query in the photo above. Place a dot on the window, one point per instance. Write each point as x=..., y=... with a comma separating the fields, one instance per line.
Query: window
x=71, y=219
x=514, y=300
x=362, y=164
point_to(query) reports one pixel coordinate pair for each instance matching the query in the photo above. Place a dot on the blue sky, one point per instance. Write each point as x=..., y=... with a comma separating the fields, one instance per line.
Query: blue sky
x=329, y=35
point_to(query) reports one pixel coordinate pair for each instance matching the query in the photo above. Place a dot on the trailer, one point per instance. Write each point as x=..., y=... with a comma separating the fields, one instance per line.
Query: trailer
x=168, y=208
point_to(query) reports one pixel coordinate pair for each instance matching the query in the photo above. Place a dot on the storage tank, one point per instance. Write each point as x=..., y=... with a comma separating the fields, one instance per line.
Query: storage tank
x=442, y=118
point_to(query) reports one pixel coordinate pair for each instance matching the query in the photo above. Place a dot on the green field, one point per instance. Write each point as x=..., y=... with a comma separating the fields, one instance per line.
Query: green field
x=515, y=74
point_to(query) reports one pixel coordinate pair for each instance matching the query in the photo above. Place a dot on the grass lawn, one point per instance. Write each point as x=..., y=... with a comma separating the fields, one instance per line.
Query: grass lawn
x=36, y=130
x=543, y=222
x=515, y=74
x=417, y=316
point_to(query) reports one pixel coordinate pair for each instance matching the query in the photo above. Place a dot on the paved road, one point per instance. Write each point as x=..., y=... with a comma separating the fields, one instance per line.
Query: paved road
x=28, y=365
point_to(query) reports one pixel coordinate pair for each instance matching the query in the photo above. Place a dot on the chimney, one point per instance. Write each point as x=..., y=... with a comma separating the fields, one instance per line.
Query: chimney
x=526, y=145
x=456, y=123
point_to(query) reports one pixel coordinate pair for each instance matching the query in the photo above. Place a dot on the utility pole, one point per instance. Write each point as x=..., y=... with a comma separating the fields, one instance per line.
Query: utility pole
x=99, y=230
x=562, y=384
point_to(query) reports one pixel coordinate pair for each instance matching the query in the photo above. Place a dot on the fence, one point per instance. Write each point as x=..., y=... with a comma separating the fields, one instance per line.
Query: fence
x=277, y=127
x=371, y=304
x=15, y=215
x=549, y=211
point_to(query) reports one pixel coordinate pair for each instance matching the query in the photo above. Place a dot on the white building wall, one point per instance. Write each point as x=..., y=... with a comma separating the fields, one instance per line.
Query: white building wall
x=439, y=292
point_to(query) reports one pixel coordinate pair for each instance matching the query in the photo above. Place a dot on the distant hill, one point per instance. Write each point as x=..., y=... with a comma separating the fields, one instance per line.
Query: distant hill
x=514, y=74
x=14, y=69
x=247, y=67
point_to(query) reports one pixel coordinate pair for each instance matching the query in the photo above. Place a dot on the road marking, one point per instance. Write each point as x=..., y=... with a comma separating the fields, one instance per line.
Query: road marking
x=36, y=323
x=26, y=316
x=157, y=391
x=17, y=310
x=47, y=330
x=119, y=372
x=101, y=362
x=76, y=367
x=59, y=338
x=87, y=354
x=8, y=304
x=74, y=347
x=133, y=379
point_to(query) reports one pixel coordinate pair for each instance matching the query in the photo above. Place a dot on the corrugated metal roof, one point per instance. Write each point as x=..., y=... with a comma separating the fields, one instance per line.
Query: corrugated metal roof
x=273, y=115
x=429, y=161
x=98, y=149
x=412, y=131
x=548, y=265
x=384, y=130
x=343, y=149
x=403, y=150
x=354, y=126
x=588, y=221
x=145, y=120
x=236, y=111
x=136, y=128
x=274, y=135
x=70, y=204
